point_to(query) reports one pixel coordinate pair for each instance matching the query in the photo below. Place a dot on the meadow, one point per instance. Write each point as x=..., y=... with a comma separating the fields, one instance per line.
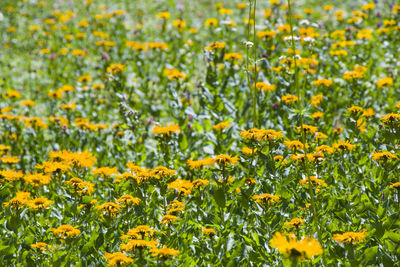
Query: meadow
x=199, y=133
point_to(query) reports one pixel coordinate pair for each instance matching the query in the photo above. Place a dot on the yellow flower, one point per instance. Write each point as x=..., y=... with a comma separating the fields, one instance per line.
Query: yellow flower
x=182, y=186
x=324, y=82
x=261, y=134
x=343, y=145
x=226, y=160
x=117, y=259
x=168, y=130
x=266, y=34
x=308, y=129
x=115, y=68
x=233, y=56
x=10, y=160
x=220, y=126
x=164, y=15
x=140, y=232
x=265, y=87
x=288, y=99
x=165, y=253
x=197, y=164
x=294, y=145
x=211, y=22
x=22, y=199
x=110, y=208
x=40, y=246
x=138, y=244
x=37, y=179
x=200, y=182
x=10, y=175
x=85, y=79
x=28, y=103
x=299, y=250
x=295, y=223
x=350, y=237
x=208, y=232
x=390, y=118
x=168, y=219
x=128, y=200
x=39, y=203
x=385, y=82
x=395, y=186
x=266, y=199
x=105, y=171
x=315, y=182
x=384, y=156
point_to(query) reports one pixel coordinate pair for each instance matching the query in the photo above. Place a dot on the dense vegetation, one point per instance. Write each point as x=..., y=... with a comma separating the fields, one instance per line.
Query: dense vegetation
x=199, y=133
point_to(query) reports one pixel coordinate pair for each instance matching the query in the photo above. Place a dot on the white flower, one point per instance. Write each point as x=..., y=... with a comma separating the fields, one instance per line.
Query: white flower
x=309, y=39
x=289, y=38
x=249, y=44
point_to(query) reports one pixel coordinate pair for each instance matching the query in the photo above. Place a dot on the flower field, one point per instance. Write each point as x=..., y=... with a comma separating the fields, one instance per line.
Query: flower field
x=199, y=133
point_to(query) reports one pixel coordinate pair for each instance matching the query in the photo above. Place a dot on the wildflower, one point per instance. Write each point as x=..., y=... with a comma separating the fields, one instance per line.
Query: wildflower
x=266, y=199
x=85, y=79
x=37, y=179
x=168, y=130
x=315, y=182
x=385, y=82
x=233, y=56
x=40, y=246
x=105, y=171
x=295, y=223
x=66, y=231
x=208, y=232
x=226, y=160
x=325, y=149
x=200, y=182
x=288, y=99
x=343, y=145
x=395, y=186
x=261, y=134
x=117, y=259
x=297, y=250
x=110, y=208
x=10, y=160
x=128, y=200
x=248, y=151
x=265, y=87
x=317, y=115
x=220, y=126
x=115, y=68
x=369, y=112
x=211, y=22
x=390, y=118
x=307, y=129
x=215, y=45
x=180, y=24
x=266, y=34
x=168, y=219
x=324, y=82
x=140, y=232
x=353, y=75
x=295, y=144
x=10, y=175
x=164, y=15
x=182, y=186
x=39, y=203
x=384, y=156
x=165, y=253
x=138, y=244
x=350, y=237
x=354, y=110
x=21, y=199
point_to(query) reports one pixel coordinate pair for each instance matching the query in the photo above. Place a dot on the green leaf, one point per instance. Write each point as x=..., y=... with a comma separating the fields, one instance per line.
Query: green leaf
x=370, y=254
x=219, y=197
